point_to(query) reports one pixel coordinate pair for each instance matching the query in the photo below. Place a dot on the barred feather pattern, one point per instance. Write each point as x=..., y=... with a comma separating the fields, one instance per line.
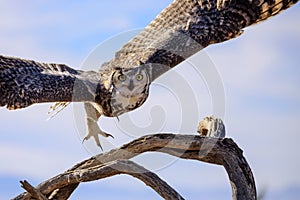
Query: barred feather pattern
x=25, y=82
x=179, y=31
x=187, y=26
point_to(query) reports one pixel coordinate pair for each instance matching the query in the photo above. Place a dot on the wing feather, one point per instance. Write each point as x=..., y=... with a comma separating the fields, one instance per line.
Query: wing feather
x=187, y=26
x=179, y=31
x=25, y=82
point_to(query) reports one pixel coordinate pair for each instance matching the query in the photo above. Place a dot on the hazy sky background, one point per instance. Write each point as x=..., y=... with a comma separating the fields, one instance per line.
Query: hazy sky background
x=259, y=70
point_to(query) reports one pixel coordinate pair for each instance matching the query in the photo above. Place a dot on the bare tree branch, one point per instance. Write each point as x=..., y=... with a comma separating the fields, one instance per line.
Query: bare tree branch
x=32, y=191
x=50, y=186
x=211, y=150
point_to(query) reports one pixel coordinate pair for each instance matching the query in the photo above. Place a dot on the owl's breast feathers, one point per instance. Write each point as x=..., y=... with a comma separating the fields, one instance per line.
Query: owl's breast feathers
x=120, y=104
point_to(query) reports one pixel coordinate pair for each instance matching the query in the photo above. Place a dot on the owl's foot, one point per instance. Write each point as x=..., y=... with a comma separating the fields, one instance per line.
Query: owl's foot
x=93, y=131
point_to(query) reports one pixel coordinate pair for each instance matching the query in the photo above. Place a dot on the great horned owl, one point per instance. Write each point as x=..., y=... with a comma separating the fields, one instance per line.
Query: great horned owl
x=129, y=89
x=179, y=31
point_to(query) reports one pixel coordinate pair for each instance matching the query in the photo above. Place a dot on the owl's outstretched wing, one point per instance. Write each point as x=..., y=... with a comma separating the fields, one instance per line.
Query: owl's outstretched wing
x=179, y=31
x=25, y=82
x=187, y=26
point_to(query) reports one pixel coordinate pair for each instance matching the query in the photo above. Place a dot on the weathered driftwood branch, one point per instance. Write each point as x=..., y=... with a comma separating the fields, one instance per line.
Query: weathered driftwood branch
x=207, y=149
x=51, y=186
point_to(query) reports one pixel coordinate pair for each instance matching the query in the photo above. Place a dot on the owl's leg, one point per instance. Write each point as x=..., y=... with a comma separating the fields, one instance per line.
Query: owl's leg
x=92, y=116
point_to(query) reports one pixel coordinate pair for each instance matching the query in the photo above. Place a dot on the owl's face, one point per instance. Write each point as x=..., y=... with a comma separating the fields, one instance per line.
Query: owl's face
x=130, y=88
x=131, y=82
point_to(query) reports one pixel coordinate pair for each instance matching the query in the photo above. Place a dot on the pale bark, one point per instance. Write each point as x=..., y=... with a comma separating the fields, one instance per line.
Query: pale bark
x=206, y=149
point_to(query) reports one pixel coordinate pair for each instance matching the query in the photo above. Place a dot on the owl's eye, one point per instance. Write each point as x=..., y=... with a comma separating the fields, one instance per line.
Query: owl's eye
x=122, y=77
x=139, y=77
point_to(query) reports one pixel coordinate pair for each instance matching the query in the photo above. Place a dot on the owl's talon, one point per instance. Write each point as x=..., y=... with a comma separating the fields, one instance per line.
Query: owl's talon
x=94, y=131
x=96, y=138
x=107, y=135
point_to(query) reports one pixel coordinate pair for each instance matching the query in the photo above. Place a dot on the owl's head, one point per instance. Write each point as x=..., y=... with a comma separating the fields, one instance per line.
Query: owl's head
x=130, y=89
x=130, y=82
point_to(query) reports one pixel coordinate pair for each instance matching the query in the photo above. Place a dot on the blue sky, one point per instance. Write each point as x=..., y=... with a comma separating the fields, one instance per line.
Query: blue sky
x=260, y=75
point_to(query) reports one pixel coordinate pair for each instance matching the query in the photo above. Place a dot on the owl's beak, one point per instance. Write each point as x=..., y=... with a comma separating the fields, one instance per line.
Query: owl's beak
x=131, y=86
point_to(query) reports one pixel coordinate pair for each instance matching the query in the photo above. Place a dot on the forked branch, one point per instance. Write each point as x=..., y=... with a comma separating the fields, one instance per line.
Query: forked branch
x=207, y=149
